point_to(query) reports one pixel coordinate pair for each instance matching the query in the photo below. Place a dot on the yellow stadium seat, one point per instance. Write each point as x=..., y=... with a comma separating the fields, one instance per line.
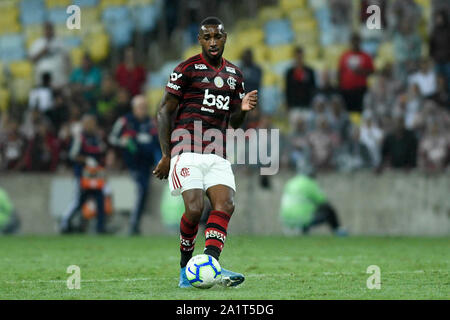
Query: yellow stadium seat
x=386, y=52
x=288, y=5
x=2, y=74
x=9, y=27
x=270, y=78
x=243, y=24
x=269, y=13
x=154, y=97
x=259, y=53
x=311, y=52
x=9, y=14
x=32, y=33
x=305, y=26
x=21, y=69
x=99, y=47
x=355, y=118
x=332, y=54
x=280, y=53
x=250, y=37
x=20, y=89
x=109, y=3
x=57, y=3
x=306, y=39
x=4, y=99
x=8, y=4
x=76, y=55
x=63, y=31
x=139, y=2
x=300, y=14
x=316, y=64
x=192, y=51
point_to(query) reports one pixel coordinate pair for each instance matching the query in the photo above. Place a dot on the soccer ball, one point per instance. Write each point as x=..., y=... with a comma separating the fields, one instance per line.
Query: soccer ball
x=203, y=271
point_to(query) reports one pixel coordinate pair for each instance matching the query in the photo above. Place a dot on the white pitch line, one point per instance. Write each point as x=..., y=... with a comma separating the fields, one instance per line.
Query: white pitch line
x=255, y=275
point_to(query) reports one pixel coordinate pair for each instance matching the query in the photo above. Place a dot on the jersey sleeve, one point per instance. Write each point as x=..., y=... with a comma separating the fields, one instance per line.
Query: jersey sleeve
x=238, y=94
x=178, y=80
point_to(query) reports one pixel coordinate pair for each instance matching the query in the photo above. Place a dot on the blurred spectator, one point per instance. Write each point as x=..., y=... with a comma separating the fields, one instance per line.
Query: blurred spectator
x=297, y=144
x=252, y=72
x=354, y=68
x=319, y=111
x=123, y=105
x=59, y=114
x=425, y=78
x=107, y=102
x=300, y=84
x=137, y=137
x=413, y=105
x=399, y=148
x=340, y=11
x=380, y=96
x=41, y=97
x=31, y=121
x=12, y=146
x=434, y=149
x=354, y=154
x=403, y=11
x=325, y=84
x=371, y=136
x=49, y=55
x=87, y=154
x=443, y=93
x=322, y=143
x=407, y=49
x=129, y=74
x=339, y=119
x=440, y=46
x=86, y=81
x=42, y=151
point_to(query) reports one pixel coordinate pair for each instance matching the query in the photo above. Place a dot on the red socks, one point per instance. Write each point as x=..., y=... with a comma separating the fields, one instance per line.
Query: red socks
x=216, y=232
x=188, y=233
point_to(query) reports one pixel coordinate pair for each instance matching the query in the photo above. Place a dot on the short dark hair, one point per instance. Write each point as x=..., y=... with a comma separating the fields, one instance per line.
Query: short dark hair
x=211, y=21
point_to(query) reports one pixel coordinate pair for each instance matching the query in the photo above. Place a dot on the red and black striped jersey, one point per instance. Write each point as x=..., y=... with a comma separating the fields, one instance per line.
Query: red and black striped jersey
x=208, y=96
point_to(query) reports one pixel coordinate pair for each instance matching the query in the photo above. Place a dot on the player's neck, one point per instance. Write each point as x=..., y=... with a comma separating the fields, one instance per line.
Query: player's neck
x=215, y=63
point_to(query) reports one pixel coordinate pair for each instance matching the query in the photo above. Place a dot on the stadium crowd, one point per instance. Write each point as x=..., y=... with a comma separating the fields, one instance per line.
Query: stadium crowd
x=359, y=117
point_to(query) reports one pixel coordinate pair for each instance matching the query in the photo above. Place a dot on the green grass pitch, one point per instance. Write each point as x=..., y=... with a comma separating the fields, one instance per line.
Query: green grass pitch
x=315, y=267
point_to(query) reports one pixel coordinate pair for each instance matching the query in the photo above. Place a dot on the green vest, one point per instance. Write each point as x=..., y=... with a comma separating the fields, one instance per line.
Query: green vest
x=6, y=208
x=301, y=197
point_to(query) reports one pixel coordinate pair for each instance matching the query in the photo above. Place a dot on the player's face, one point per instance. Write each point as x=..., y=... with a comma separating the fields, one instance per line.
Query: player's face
x=212, y=39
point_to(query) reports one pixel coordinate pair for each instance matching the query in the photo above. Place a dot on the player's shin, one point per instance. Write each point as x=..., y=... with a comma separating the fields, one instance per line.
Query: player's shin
x=216, y=232
x=188, y=234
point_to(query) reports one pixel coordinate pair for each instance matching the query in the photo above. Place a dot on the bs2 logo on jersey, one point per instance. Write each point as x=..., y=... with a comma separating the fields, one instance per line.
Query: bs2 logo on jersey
x=219, y=101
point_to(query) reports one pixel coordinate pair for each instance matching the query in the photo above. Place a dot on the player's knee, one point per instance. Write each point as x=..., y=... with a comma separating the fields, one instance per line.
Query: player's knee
x=225, y=206
x=193, y=211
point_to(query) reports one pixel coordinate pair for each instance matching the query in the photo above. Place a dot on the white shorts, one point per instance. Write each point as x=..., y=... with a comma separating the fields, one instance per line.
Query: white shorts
x=199, y=171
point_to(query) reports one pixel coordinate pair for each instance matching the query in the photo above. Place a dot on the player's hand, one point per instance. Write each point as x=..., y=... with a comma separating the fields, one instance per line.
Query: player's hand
x=250, y=101
x=162, y=169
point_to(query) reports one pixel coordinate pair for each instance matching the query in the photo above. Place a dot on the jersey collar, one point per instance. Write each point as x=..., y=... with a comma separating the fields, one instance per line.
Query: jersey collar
x=217, y=70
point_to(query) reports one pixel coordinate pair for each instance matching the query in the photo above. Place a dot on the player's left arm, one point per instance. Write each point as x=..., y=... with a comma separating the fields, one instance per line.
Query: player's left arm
x=243, y=104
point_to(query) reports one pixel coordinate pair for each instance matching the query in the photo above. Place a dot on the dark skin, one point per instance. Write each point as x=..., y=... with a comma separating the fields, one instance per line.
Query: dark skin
x=212, y=39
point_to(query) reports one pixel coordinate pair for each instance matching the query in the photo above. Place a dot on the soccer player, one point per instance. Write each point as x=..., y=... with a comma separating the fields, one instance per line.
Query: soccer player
x=207, y=93
x=136, y=134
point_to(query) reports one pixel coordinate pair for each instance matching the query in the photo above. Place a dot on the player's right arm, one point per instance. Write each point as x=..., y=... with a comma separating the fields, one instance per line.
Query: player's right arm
x=167, y=107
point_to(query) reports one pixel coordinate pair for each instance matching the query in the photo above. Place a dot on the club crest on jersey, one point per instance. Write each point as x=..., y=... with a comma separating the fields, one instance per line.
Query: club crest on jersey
x=230, y=69
x=200, y=66
x=184, y=172
x=231, y=83
x=218, y=81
